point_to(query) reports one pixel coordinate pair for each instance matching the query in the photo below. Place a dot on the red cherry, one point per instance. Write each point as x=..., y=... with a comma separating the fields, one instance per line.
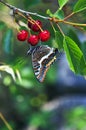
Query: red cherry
x=33, y=40
x=35, y=26
x=22, y=35
x=44, y=35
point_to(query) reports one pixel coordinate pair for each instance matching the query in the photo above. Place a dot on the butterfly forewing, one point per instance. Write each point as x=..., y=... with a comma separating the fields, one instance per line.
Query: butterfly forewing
x=42, y=57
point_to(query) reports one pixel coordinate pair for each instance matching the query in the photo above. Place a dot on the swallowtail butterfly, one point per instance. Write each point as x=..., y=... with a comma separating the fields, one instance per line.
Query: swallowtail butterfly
x=42, y=57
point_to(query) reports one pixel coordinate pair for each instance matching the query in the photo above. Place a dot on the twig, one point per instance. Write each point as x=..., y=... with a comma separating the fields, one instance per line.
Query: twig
x=26, y=13
x=74, y=24
x=66, y=22
x=69, y=16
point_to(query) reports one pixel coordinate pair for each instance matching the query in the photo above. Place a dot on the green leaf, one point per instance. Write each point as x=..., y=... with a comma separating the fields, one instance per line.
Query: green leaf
x=83, y=47
x=84, y=72
x=49, y=13
x=59, y=39
x=73, y=35
x=59, y=14
x=75, y=56
x=7, y=41
x=79, y=6
x=62, y=3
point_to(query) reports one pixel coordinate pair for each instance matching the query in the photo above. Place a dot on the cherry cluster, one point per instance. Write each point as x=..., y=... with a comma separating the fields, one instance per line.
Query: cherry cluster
x=33, y=39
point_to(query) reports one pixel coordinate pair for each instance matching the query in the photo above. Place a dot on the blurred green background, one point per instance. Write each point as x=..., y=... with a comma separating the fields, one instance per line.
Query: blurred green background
x=59, y=103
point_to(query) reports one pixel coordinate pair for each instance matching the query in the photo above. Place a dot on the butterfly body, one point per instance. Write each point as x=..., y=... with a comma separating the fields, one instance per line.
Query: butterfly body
x=42, y=57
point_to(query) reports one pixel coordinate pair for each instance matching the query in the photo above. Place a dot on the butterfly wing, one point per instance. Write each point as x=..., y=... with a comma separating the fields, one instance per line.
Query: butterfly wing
x=42, y=57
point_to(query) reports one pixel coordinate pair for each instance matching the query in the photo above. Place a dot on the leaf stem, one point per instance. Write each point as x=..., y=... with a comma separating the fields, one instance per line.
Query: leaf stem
x=74, y=24
x=52, y=26
x=60, y=30
x=69, y=16
x=36, y=24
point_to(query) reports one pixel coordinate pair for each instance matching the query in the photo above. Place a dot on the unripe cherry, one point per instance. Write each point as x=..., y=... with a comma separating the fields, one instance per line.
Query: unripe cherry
x=44, y=35
x=33, y=40
x=22, y=35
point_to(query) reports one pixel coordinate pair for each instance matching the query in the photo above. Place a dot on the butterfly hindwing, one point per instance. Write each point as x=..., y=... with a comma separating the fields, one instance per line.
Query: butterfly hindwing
x=42, y=57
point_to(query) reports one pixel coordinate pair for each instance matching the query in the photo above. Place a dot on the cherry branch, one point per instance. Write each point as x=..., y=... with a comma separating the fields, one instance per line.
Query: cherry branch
x=53, y=19
x=26, y=13
x=67, y=22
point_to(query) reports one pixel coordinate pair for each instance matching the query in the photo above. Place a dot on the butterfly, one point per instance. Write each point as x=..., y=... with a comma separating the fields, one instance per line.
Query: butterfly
x=42, y=57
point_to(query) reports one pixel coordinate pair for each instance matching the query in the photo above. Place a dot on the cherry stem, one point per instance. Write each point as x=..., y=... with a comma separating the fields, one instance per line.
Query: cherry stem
x=36, y=24
x=19, y=13
x=30, y=20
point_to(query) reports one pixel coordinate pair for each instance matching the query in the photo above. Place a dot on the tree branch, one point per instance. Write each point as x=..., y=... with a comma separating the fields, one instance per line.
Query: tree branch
x=26, y=13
